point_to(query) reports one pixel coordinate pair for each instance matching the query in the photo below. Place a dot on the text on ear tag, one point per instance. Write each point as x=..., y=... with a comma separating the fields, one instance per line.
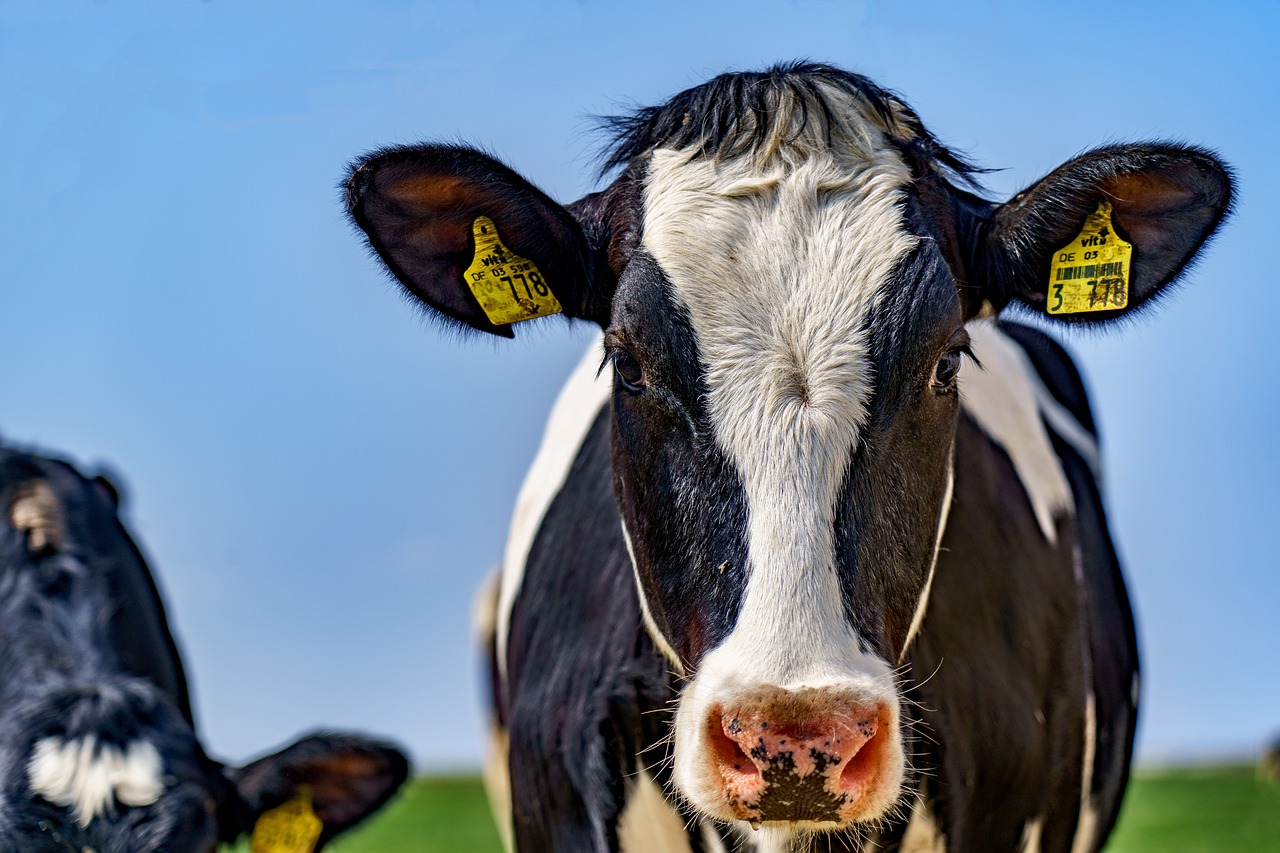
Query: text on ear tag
x=288, y=828
x=508, y=287
x=1091, y=273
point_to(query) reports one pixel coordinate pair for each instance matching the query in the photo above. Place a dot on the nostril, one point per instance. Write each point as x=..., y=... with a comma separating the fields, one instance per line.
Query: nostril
x=726, y=752
x=863, y=766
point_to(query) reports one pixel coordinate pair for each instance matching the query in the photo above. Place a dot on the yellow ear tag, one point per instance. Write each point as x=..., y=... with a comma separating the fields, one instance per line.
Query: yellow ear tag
x=289, y=828
x=508, y=287
x=1091, y=273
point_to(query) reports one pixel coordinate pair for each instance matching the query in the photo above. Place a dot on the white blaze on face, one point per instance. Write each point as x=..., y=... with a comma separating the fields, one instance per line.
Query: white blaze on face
x=90, y=777
x=780, y=263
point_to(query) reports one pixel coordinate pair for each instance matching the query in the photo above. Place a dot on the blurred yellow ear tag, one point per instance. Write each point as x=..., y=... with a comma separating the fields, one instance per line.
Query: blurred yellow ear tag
x=508, y=287
x=1091, y=273
x=289, y=828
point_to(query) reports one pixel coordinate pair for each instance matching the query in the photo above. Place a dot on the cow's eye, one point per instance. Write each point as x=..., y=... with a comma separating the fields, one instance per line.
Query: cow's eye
x=945, y=372
x=630, y=374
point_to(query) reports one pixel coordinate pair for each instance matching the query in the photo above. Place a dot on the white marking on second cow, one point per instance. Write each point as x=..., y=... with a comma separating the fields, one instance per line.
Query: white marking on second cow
x=37, y=511
x=758, y=248
x=89, y=777
x=571, y=418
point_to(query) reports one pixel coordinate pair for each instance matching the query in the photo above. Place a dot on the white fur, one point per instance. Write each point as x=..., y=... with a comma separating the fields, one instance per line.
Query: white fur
x=646, y=615
x=779, y=259
x=497, y=783
x=90, y=777
x=923, y=834
x=649, y=823
x=711, y=841
x=1004, y=397
x=1087, y=824
x=1031, y=832
x=1065, y=425
x=575, y=410
x=37, y=510
x=923, y=604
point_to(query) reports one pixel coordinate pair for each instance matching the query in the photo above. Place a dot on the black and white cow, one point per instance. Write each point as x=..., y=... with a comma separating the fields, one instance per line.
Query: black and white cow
x=788, y=576
x=98, y=751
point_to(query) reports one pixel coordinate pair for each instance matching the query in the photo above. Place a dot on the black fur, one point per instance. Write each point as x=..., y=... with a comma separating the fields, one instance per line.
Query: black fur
x=730, y=115
x=668, y=472
x=86, y=652
x=584, y=683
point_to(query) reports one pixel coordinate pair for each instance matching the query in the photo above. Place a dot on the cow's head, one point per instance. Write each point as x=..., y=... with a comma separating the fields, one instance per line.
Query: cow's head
x=783, y=270
x=93, y=758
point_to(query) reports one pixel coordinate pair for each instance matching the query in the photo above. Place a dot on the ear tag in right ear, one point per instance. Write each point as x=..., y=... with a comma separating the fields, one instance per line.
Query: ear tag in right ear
x=508, y=287
x=288, y=828
x=1091, y=273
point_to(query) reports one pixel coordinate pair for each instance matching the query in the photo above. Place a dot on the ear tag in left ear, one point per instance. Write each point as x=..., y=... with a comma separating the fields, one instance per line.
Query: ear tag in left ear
x=288, y=828
x=508, y=287
x=1091, y=273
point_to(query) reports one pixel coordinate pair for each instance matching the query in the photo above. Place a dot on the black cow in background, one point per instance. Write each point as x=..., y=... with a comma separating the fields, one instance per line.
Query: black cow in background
x=98, y=748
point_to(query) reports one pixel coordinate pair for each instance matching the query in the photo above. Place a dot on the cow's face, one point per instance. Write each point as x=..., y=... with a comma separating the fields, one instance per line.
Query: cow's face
x=782, y=272
x=785, y=342
x=95, y=759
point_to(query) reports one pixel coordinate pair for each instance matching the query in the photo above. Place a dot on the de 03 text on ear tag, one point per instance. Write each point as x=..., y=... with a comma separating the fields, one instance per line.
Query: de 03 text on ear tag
x=1091, y=273
x=288, y=828
x=508, y=287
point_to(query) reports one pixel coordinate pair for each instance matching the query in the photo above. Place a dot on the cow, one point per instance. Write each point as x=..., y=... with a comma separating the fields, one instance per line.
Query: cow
x=1269, y=763
x=819, y=559
x=98, y=746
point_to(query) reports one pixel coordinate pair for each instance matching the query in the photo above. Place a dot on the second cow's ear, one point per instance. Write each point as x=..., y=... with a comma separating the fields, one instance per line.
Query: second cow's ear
x=1165, y=201
x=472, y=239
x=322, y=784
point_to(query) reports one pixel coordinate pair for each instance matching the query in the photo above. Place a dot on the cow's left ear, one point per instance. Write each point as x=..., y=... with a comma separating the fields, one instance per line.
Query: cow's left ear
x=1041, y=248
x=340, y=778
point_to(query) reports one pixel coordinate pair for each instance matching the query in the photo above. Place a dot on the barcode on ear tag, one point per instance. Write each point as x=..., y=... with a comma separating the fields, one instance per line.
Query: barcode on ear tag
x=288, y=828
x=1091, y=273
x=508, y=287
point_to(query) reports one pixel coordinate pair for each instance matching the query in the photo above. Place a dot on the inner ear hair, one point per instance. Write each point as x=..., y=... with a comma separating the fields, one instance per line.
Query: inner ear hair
x=1168, y=212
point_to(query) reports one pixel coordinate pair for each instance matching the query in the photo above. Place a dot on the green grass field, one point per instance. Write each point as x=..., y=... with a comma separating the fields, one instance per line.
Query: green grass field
x=1207, y=810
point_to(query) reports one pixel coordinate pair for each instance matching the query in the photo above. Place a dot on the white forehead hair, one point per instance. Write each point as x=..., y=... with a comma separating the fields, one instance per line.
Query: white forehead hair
x=89, y=777
x=780, y=254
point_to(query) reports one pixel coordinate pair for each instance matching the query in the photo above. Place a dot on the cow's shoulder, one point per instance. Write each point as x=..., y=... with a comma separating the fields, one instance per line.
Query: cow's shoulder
x=1055, y=368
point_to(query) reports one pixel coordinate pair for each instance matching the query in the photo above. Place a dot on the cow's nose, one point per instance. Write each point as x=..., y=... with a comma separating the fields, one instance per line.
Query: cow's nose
x=815, y=758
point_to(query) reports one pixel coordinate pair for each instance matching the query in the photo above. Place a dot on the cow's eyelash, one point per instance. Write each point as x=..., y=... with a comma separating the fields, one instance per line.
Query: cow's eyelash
x=966, y=350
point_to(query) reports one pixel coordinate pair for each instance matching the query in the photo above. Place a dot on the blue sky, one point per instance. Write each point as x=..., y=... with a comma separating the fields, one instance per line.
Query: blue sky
x=322, y=479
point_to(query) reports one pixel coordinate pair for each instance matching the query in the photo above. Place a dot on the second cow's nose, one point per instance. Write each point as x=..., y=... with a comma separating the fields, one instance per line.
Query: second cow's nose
x=811, y=760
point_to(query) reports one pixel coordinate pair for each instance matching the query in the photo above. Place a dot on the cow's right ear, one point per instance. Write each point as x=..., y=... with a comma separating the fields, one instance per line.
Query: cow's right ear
x=428, y=212
x=319, y=786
